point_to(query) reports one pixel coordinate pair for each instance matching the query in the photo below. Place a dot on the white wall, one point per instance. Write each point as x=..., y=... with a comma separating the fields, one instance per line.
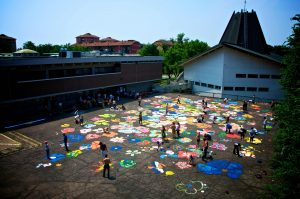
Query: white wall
x=242, y=63
x=208, y=69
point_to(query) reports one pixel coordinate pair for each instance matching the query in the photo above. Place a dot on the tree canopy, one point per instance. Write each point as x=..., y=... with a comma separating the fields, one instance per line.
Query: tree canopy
x=286, y=162
x=50, y=48
x=182, y=50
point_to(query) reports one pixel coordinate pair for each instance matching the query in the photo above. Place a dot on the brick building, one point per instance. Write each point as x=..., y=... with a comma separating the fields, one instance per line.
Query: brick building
x=108, y=45
x=7, y=44
x=36, y=85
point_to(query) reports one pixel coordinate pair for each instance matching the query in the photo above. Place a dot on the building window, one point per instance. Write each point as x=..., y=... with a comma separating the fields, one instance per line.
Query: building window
x=226, y=88
x=197, y=83
x=240, y=75
x=239, y=88
x=251, y=89
x=263, y=89
x=210, y=86
x=275, y=76
x=252, y=76
x=264, y=76
x=218, y=87
x=204, y=84
x=108, y=69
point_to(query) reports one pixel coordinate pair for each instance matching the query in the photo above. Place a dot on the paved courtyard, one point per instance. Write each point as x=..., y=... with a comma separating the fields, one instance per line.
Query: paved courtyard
x=138, y=170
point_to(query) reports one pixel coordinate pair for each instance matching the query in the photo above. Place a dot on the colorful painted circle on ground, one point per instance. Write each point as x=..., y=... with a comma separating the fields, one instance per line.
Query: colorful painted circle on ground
x=187, y=133
x=56, y=157
x=127, y=163
x=74, y=154
x=177, y=147
x=184, y=140
x=116, y=148
x=75, y=137
x=234, y=169
x=192, y=187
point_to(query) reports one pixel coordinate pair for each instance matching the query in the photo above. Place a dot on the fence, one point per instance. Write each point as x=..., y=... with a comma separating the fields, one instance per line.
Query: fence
x=186, y=88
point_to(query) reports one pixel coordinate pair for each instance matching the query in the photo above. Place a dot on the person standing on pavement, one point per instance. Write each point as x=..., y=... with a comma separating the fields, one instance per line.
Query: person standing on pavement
x=47, y=150
x=205, y=148
x=103, y=149
x=106, y=162
x=66, y=141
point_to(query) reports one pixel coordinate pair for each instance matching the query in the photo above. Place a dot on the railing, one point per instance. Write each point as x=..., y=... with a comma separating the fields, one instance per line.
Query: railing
x=233, y=97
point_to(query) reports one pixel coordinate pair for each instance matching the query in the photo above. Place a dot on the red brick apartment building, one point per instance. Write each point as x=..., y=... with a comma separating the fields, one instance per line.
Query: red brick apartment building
x=108, y=45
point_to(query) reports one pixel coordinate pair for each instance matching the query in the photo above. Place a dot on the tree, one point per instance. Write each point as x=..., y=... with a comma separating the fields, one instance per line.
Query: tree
x=149, y=50
x=286, y=162
x=182, y=50
x=29, y=45
x=78, y=48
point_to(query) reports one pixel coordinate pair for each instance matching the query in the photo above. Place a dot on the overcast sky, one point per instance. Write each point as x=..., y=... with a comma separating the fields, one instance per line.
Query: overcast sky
x=60, y=21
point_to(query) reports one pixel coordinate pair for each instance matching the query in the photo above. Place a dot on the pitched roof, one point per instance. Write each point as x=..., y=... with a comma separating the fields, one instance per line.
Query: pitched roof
x=88, y=35
x=239, y=48
x=3, y=36
x=243, y=29
x=109, y=39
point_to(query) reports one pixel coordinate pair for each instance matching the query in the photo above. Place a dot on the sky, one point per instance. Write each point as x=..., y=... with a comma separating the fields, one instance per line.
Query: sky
x=60, y=21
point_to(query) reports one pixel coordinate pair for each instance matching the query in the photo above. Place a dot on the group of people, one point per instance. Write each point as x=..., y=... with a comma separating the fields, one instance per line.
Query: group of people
x=175, y=129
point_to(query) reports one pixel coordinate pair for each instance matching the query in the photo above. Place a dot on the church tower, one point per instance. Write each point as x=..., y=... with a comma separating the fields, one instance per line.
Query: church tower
x=244, y=30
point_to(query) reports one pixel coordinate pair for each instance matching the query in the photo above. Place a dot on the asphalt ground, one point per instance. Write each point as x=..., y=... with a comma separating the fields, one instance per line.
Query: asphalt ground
x=138, y=170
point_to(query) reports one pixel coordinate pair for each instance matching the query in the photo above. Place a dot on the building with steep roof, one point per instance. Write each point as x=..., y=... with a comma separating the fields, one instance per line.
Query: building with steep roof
x=240, y=66
x=108, y=45
x=7, y=44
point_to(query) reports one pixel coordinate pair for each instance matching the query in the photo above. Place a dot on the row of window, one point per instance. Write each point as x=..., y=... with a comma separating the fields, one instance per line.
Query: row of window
x=207, y=85
x=262, y=76
x=252, y=89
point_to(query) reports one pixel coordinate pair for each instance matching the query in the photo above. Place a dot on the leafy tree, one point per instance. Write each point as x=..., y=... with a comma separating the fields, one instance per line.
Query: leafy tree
x=78, y=48
x=29, y=45
x=149, y=50
x=182, y=50
x=286, y=162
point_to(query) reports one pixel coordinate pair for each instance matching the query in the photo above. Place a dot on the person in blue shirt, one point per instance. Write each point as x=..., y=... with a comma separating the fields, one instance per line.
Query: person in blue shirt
x=47, y=150
x=252, y=134
x=228, y=128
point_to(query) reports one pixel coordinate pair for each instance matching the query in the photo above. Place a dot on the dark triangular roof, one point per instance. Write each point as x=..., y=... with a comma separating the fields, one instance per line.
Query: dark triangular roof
x=244, y=30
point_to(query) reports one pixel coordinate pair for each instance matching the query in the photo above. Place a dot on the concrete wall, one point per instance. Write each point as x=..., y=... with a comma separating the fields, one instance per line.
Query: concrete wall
x=236, y=62
x=208, y=69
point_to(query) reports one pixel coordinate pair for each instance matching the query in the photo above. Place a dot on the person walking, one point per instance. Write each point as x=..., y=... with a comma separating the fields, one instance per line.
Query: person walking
x=106, y=162
x=140, y=118
x=47, y=150
x=265, y=123
x=177, y=128
x=228, y=128
x=66, y=142
x=81, y=120
x=245, y=105
x=167, y=109
x=252, y=134
x=140, y=100
x=163, y=133
x=204, y=148
x=198, y=139
x=236, y=149
x=178, y=99
x=103, y=149
x=173, y=128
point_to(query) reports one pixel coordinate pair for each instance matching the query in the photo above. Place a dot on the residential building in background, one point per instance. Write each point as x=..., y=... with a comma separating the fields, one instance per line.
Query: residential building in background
x=7, y=44
x=108, y=45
